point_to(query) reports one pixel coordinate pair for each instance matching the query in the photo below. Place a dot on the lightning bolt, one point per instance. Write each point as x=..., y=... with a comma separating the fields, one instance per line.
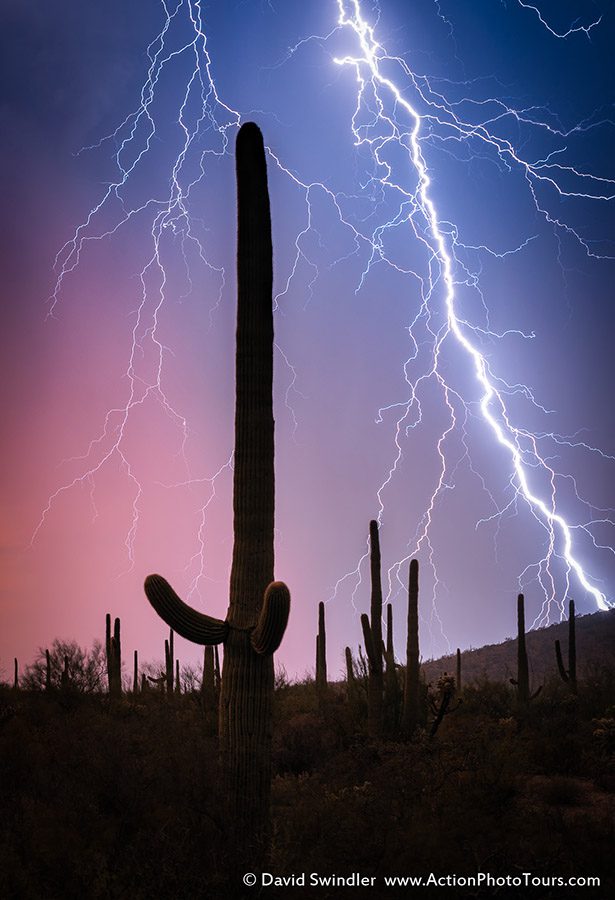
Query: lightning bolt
x=382, y=104
x=396, y=109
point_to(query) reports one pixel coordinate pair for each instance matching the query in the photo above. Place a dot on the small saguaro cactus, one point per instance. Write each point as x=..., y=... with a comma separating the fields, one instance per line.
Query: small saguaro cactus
x=569, y=676
x=522, y=681
x=372, y=637
x=351, y=681
x=178, y=686
x=169, y=655
x=65, y=678
x=411, y=714
x=258, y=606
x=458, y=676
x=15, y=675
x=113, y=649
x=135, y=672
x=321, y=650
x=48, y=685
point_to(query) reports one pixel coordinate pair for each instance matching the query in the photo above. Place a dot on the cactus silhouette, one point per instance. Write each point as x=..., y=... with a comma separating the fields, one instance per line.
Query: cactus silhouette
x=135, y=673
x=169, y=654
x=569, y=676
x=113, y=649
x=522, y=681
x=411, y=715
x=391, y=684
x=258, y=607
x=321, y=649
x=372, y=637
x=458, y=676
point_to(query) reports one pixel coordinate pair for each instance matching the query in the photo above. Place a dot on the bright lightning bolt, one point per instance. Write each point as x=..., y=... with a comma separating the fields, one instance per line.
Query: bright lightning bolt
x=521, y=444
x=396, y=109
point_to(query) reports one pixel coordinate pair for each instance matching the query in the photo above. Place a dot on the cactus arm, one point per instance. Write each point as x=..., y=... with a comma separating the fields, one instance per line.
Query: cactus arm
x=271, y=625
x=191, y=624
x=560, y=662
x=368, y=640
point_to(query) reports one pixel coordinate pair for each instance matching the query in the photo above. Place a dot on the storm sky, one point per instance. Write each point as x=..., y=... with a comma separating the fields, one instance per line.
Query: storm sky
x=118, y=380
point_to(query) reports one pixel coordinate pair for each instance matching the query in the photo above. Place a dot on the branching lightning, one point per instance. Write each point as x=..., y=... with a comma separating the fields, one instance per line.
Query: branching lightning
x=398, y=108
x=383, y=100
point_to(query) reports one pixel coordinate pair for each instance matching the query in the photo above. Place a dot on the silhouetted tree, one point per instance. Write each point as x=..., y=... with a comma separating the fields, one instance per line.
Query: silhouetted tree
x=87, y=668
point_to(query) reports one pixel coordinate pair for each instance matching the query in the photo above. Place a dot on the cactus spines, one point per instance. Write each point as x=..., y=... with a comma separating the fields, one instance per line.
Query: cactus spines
x=258, y=607
x=458, y=675
x=321, y=649
x=569, y=676
x=411, y=709
x=113, y=649
x=522, y=682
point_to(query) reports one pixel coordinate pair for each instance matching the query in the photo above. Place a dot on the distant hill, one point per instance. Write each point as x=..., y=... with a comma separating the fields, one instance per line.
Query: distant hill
x=595, y=647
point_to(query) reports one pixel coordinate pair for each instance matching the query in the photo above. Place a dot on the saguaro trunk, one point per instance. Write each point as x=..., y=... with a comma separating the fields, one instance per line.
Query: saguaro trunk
x=372, y=637
x=258, y=608
x=523, y=674
x=411, y=711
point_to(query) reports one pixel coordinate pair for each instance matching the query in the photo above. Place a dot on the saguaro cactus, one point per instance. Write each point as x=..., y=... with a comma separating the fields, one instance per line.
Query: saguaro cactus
x=391, y=684
x=569, y=676
x=135, y=673
x=458, y=676
x=522, y=682
x=47, y=670
x=113, y=647
x=169, y=654
x=321, y=650
x=372, y=637
x=65, y=678
x=258, y=607
x=411, y=715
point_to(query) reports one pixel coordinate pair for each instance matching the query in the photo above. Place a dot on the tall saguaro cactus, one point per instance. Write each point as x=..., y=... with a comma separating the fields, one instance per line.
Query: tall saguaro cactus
x=411, y=714
x=372, y=637
x=321, y=650
x=569, y=676
x=258, y=607
x=522, y=681
x=113, y=647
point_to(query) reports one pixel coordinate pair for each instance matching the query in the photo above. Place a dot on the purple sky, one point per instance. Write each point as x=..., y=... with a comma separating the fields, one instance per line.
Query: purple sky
x=118, y=408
